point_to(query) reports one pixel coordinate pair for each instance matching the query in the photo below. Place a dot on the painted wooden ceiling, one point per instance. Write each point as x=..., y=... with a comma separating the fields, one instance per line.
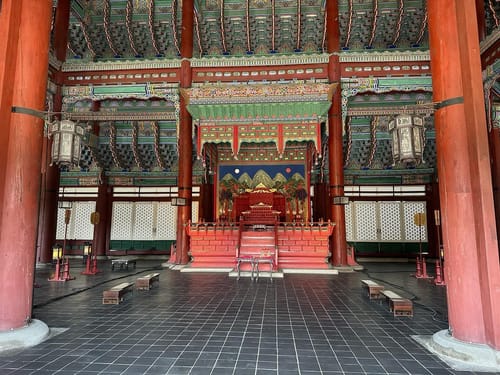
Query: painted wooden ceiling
x=117, y=30
x=110, y=29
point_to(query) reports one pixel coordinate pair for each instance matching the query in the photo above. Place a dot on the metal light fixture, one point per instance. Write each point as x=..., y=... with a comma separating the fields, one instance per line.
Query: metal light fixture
x=67, y=139
x=87, y=249
x=66, y=205
x=56, y=252
x=68, y=136
x=407, y=138
x=178, y=202
x=341, y=200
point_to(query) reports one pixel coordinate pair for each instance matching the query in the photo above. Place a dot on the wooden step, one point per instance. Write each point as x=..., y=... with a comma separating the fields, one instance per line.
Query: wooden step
x=257, y=235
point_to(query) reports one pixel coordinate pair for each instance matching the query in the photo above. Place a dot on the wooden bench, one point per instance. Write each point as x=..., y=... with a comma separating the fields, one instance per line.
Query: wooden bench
x=123, y=262
x=146, y=282
x=372, y=288
x=116, y=294
x=398, y=305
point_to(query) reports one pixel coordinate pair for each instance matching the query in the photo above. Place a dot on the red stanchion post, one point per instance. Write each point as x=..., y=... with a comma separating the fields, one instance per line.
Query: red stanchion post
x=424, y=274
x=66, y=275
x=418, y=274
x=57, y=272
x=439, y=279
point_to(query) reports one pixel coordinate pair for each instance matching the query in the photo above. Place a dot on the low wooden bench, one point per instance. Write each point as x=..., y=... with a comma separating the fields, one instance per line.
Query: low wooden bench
x=398, y=305
x=116, y=294
x=123, y=262
x=373, y=289
x=146, y=282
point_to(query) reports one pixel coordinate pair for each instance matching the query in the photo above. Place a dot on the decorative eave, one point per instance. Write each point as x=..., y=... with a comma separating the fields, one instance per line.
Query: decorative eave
x=73, y=94
x=489, y=41
x=389, y=176
x=425, y=109
x=396, y=56
x=93, y=66
x=117, y=116
x=228, y=113
x=255, y=93
x=244, y=61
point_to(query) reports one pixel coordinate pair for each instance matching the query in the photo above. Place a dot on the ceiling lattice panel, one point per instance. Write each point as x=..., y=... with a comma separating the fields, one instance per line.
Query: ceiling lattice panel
x=109, y=29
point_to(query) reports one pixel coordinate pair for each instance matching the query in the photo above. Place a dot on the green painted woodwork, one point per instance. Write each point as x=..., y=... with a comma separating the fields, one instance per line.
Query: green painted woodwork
x=260, y=111
x=388, y=249
x=139, y=90
x=142, y=245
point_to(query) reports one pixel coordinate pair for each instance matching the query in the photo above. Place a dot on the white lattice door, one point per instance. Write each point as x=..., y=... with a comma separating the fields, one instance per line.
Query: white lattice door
x=365, y=215
x=387, y=221
x=79, y=227
x=122, y=221
x=166, y=221
x=144, y=220
x=414, y=232
x=390, y=221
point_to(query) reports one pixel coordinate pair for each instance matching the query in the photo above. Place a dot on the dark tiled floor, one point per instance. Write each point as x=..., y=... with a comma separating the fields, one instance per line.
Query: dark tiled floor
x=212, y=324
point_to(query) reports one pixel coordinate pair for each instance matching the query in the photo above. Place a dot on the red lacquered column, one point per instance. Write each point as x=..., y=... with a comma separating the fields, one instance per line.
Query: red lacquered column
x=61, y=25
x=102, y=206
x=185, y=179
x=468, y=218
x=494, y=138
x=50, y=174
x=10, y=18
x=336, y=153
x=22, y=174
x=49, y=193
x=48, y=206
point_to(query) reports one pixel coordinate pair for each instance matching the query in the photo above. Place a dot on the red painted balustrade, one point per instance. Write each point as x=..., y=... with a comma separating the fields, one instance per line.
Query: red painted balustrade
x=215, y=245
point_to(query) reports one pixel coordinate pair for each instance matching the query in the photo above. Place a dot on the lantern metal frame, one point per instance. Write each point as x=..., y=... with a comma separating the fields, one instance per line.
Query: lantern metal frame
x=67, y=138
x=341, y=200
x=68, y=135
x=407, y=132
x=178, y=201
x=57, y=252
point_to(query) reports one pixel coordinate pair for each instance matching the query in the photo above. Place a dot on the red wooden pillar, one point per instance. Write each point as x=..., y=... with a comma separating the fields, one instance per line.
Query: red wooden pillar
x=206, y=202
x=50, y=173
x=49, y=193
x=185, y=179
x=494, y=138
x=61, y=25
x=468, y=219
x=432, y=204
x=336, y=153
x=10, y=18
x=103, y=207
x=49, y=188
x=321, y=211
x=481, y=19
x=21, y=188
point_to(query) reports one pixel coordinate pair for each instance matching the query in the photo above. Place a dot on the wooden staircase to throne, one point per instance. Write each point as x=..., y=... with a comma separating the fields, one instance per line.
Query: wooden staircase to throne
x=260, y=239
x=257, y=249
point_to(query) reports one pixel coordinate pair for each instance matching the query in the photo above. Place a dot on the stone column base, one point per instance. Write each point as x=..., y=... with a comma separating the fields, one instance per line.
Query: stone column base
x=461, y=355
x=24, y=337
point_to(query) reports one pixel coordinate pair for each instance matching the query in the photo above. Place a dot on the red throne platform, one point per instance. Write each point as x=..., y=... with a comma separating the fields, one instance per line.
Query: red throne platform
x=215, y=245
x=260, y=234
